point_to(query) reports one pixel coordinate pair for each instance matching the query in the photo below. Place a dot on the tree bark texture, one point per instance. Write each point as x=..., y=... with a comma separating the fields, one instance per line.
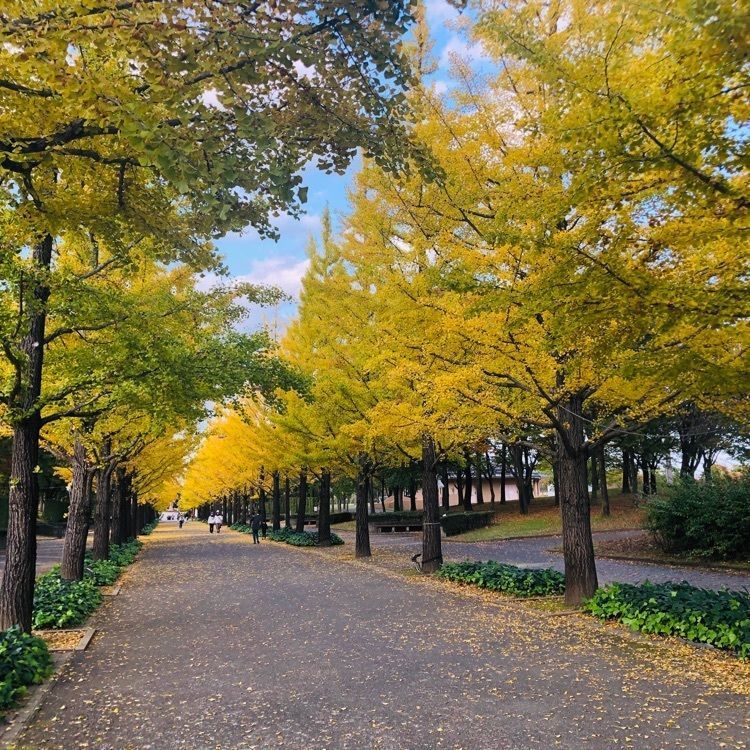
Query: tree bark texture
x=302, y=502
x=324, y=510
x=446, y=487
x=17, y=588
x=467, y=483
x=102, y=513
x=77, y=528
x=578, y=546
x=276, y=504
x=602, y=470
x=432, y=553
x=362, y=534
x=503, y=473
x=287, y=504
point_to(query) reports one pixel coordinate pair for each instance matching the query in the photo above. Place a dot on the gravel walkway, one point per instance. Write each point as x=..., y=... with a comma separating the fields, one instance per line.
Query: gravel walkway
x=216, y=644
x=539, y=552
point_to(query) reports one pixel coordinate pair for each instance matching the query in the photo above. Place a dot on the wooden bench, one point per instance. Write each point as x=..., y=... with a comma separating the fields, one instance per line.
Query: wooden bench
x=385, y=527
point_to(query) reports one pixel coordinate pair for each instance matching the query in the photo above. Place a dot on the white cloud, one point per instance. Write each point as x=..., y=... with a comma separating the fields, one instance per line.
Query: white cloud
x=440, y=12
x=457, y=48
x=283, y=272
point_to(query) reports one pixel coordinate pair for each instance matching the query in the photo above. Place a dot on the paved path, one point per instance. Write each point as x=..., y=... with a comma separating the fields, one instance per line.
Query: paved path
x=48, y=553
x=216, y=644
x=538, y=552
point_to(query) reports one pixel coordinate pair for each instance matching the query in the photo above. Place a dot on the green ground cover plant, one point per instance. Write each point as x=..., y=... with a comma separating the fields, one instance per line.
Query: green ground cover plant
x=709, y=519
x=507, y=579
x=63, y=604
x=106, y=572
x=718, y=618
x=24, y=660
x=149, y=527
x=303, y=539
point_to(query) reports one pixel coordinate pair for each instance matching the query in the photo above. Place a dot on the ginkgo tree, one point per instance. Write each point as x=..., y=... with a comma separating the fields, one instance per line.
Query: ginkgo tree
x=145, y=117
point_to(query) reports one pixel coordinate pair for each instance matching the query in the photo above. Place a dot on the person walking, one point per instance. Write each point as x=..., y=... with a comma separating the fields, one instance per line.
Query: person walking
x=211, y=522
x=218, y=521
x=180, y=520
x=255, y=526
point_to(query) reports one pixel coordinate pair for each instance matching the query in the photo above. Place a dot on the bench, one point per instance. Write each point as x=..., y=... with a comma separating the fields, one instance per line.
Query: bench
x=385, y=527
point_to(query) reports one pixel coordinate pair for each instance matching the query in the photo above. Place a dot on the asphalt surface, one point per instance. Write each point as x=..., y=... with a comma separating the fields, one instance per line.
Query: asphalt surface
x=541, y=552
x=215, y=643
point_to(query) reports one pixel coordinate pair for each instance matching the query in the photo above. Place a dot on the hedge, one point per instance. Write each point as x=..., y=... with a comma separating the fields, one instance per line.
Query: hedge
x=24, y=660
x=399, y=516
x=711, y=519
x=508, y=579
x=458, y=523
x=303, y=539
x=719, y=618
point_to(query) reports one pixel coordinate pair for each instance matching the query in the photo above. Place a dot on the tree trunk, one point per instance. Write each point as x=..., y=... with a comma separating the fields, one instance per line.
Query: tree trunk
x=480, y=473
x=134, y=530
x=467, y=483
x=324, y=510
x=578, y=546
x=516, y=456
x=432, y=554
x=287, y=504
x=556, y=482
x=602, y=466
x=503, y=472
x=490, y=478
x=382, y=495
x=412, y=489
x=645, y=472
x=276, y=504
x=446, y=488
x=102, y=513
x=262, y=495
x=652, y=478
x=362, y=536
x=397, y=500
x=17, y=588
x=625, y=471
x=71, y=568
x=118, y=507
x=302, y=502
x=594, y=477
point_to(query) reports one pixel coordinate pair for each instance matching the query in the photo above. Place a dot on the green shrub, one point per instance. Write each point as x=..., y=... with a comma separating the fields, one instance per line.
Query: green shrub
x=458, y=523
x=106, y=572
x=399, y=516
x=149, y=527
x=341, y=516
x=24, y=660
x=124, y=554
x=101, y=572
x=61, y=604
x=703, y=518
x=509, y=579
x=719, y=618
x=303, y=539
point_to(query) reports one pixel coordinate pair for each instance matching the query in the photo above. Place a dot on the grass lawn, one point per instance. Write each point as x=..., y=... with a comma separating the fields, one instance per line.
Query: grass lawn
x=644, y=548
x=544, y=518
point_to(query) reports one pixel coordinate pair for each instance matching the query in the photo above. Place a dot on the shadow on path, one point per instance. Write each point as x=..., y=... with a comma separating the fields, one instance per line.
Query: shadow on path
x=218, y=644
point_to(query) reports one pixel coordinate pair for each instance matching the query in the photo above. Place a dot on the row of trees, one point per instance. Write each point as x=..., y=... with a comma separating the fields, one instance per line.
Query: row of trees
x=131, y=135
x=577, y=271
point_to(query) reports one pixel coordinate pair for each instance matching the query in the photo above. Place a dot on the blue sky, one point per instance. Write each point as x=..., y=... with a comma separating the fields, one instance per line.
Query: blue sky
x=283, y=263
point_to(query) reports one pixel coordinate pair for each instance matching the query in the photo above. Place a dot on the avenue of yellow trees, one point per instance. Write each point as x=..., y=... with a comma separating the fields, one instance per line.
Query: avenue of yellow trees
x=577, y=267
